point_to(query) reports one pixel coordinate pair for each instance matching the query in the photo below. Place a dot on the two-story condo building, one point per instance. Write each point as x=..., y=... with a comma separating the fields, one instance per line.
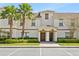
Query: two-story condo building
x=48, y=26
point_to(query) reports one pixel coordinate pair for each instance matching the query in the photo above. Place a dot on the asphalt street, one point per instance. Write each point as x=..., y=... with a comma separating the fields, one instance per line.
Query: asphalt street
x=39, y=51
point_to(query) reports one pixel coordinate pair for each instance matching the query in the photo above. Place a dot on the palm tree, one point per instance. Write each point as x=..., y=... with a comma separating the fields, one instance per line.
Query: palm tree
x=25, y=11
x=9, y=13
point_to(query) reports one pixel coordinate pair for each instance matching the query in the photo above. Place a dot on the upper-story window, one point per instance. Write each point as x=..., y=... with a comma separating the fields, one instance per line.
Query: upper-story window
x=46, y=16
x=60, y=22
x=33, y=23
x=72, y=22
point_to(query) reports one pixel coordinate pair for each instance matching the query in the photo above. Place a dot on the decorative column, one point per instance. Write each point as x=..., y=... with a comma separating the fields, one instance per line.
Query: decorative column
x=55, y=36
x=39, y=36
x=47, y=36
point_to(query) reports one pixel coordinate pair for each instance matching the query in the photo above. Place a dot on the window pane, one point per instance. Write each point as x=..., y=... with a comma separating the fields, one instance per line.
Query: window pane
x=60, y=22
x=46, y=16
x=33, y=23
x=67, y=34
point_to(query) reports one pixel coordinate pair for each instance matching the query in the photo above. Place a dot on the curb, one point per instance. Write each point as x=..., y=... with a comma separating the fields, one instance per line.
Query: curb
x=44, y=47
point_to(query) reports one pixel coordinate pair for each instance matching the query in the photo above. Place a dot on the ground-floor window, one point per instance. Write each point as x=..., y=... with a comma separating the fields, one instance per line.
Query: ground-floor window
x=4, y=34
x=67, y=34
x=26, y=34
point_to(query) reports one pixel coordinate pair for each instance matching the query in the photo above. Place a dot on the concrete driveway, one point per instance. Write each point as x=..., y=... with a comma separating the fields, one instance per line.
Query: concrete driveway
x=39, y=51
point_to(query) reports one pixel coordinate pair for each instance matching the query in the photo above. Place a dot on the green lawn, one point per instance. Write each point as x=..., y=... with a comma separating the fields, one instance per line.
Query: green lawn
x=20, y=44
x=68, y=44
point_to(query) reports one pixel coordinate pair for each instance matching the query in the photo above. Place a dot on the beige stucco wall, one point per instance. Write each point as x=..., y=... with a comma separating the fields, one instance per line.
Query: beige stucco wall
x=52, y=21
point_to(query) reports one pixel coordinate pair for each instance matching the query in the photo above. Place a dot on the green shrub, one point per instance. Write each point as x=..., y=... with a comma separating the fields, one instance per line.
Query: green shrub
x=2, y=39
x=32, y=41
x=68, y=41
x=19, y=41
x=25, y=38
x=15, y=41
x=10, y=41
x=66, y=38
x=29, y=38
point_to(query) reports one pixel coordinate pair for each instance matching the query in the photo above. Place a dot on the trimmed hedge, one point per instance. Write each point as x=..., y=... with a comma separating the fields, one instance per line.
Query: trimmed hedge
x=32, y=41
x=19, y=38
x=15, y=41
x=19, y=41
x=25, y=38
x=3, y=38
x=68, y=40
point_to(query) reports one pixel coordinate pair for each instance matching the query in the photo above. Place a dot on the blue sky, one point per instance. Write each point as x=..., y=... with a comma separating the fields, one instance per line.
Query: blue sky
x=58, y=7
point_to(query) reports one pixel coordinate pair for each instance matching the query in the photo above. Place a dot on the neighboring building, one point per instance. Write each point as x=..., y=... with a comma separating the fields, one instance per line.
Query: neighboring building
x=48, y=26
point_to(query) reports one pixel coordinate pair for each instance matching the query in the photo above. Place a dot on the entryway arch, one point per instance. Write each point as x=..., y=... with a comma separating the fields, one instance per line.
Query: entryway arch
x=47, y=34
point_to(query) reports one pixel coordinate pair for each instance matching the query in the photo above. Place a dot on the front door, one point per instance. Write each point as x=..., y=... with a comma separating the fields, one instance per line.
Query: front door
x=51, y=36
x=42, y=36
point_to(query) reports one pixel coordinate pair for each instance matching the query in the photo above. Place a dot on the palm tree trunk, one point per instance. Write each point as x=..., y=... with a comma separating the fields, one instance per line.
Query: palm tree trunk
x=23, y=25
x=11, y=24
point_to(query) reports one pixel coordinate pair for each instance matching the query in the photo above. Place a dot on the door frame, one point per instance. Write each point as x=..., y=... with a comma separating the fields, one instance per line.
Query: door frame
x=42, y=36
x=51, y=36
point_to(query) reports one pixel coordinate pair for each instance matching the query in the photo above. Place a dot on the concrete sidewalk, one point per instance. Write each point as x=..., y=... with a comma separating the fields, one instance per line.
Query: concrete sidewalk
x=42, y=45
x=50, y=44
